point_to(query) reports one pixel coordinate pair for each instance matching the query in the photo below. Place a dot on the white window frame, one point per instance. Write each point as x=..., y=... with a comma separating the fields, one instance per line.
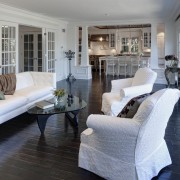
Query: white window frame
x=13, y=62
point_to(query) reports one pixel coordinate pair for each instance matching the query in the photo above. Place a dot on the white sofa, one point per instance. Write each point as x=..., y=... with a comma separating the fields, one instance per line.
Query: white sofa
x=123, y=90
x=129, y=149
x=30, y=88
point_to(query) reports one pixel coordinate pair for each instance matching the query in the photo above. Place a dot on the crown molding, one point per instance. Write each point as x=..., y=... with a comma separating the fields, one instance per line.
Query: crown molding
x=120, y=22
x=175, y=11
x=20, y=13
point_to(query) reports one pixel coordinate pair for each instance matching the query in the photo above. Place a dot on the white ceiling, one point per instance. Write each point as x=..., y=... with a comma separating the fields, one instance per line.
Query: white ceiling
x=99, y=10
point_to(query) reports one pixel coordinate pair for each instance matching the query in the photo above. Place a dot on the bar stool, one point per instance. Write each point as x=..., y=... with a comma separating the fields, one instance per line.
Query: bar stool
x=122, y=65
x=111, y=62
x=135, y=65
x=144, y=61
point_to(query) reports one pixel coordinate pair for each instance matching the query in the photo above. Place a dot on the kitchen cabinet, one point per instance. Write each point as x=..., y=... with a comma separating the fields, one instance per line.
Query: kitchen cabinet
x=147, y=38
x=112, y=40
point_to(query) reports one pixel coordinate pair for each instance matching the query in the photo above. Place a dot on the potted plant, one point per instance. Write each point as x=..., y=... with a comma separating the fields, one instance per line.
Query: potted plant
x=59, y=94
x=173, y=60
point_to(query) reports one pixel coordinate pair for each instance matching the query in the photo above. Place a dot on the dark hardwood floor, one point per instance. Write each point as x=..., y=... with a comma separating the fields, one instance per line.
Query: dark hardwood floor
x=26, y=155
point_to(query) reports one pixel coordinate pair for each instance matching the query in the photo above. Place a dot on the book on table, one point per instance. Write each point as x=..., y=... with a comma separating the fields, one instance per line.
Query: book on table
x=44, y=104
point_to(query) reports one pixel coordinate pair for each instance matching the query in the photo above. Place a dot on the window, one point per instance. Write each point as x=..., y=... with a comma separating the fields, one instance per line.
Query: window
x=125, y=45
x=134, y=44
x=8, y=57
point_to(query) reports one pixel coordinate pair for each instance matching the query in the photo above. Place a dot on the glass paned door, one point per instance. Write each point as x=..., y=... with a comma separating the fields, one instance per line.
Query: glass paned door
x=39, y=55
x=8, y=49
x=28, y=52
x=51, y=52
x=32, y=52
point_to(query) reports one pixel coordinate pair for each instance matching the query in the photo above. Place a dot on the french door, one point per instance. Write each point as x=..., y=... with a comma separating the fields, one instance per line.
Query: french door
x=50, y=50
x=9, y=48
x=32, y=51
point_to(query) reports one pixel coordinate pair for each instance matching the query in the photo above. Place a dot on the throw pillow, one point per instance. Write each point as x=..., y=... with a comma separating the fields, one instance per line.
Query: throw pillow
x=8, y=83
x=2, y=97
x=132, y=106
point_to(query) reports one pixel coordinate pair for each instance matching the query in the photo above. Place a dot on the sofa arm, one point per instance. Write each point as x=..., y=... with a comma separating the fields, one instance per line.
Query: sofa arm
x=136, y=90
x=113, y=136
x=118, y=84
x=108, y=126
x=44, y=78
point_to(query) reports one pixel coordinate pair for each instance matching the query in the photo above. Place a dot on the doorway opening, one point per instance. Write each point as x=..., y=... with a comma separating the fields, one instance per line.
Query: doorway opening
x=30, y=49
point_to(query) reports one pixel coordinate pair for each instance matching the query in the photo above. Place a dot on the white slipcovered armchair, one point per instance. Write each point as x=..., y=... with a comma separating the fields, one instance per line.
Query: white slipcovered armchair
x=125, y=89
x=129, y=149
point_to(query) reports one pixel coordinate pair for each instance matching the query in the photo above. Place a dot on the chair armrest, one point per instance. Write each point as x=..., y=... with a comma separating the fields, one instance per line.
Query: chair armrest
x=44, y=78
x=136, y=90
x=118, y=84
x=107, y=125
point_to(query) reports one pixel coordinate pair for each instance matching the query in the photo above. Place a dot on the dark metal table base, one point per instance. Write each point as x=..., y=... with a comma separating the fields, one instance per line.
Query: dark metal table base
x=72, y=116
x=42, y=119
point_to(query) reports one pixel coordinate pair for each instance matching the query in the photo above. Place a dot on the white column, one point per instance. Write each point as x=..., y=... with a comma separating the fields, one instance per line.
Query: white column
x=154, y=48
x=85, y=54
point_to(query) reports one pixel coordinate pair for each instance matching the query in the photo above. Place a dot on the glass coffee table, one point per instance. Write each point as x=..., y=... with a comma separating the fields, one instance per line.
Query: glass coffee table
x=70, y=106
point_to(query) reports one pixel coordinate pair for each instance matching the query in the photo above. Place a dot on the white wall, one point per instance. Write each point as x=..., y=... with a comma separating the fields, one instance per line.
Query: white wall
x=178, y=38
x=169, y=28
x=79, y=71
x=72, y=44
x=170, y=38
x=170, y=42
x=21, y=17
x=101, y=48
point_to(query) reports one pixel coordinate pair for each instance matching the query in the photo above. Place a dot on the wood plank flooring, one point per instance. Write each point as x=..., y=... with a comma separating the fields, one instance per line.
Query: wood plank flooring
x=26, y=155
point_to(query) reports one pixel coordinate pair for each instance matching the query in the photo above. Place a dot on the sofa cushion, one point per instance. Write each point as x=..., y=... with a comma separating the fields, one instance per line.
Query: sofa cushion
x=11, y=103
x=132, y=106
x=108, y=99
x=33, y=93
x=24, y=80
